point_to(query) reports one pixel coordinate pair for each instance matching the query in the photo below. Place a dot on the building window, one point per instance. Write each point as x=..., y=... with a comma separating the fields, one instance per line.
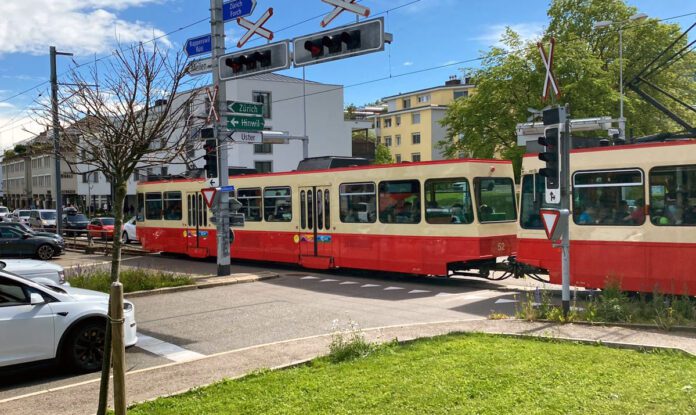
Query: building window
x=379, y=139
x=165, y=171
x=423, y=98
x=387, y=122
x=263, y=166
x=415, y=138
x=406, y=103
x=398, y=139
x=398, y=120
x=460, y=94
x=265, y=148
x=415, y=157
x=397, y=158
x=387, y=140
x=377, y=123
x=415, y=118
x=265, y=99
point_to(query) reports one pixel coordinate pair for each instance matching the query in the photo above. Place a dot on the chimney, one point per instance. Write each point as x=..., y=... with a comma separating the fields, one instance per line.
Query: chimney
x=453, y=80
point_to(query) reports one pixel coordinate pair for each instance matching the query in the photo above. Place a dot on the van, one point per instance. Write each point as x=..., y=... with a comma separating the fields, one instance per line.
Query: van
x=43, y=219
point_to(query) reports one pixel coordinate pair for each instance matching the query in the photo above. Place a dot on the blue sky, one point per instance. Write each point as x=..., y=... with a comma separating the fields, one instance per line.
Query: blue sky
x=427, y=33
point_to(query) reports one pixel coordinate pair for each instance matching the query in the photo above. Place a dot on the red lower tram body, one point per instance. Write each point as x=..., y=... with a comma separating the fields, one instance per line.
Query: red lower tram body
x=636, y=266
x=425, y=255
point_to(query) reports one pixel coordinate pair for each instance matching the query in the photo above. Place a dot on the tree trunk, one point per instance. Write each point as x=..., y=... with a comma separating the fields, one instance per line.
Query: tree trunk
x=120, y=190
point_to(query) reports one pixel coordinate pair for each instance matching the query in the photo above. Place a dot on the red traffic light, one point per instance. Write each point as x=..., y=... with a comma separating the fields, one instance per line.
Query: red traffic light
x=315, y=47
x=237, y=64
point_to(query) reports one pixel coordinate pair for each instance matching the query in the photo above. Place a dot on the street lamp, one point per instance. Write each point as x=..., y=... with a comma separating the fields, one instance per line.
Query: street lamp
x=621, y=25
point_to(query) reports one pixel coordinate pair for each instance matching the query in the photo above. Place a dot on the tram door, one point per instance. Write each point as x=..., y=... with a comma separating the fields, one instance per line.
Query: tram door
x=197, y=220
x=315, y=226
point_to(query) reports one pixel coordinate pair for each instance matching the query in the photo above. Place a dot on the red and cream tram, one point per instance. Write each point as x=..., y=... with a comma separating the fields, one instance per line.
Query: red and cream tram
x=633, y=218
x=420, y=218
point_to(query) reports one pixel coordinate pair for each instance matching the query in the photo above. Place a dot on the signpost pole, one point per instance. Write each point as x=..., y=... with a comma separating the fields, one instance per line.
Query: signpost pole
x=217, y=30
x=565, y=145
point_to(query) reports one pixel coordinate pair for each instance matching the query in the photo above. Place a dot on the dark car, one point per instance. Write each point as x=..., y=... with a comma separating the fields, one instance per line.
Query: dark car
x=25, y=228
x=75, y=223
x=15, y=243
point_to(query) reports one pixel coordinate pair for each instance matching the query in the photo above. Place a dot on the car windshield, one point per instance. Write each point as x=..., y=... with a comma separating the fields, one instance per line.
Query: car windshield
x=107, y=221
x=48, y=215
x=25, y=213
x=77, y=218
x=3, y=209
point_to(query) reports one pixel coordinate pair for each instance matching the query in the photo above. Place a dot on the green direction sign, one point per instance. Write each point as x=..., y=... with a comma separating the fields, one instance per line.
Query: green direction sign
x=242, y=123
x=251, y=108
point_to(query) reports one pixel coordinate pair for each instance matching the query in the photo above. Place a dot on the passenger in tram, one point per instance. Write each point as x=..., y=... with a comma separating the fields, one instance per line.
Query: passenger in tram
x=637, y=217
x=587, y=217
x=605, y=217
x=621, y=212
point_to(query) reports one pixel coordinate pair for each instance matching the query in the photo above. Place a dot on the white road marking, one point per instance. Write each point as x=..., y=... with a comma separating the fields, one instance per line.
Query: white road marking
x=328, y=280
x=444, y=294
x=393, y=288
x=349, y=283
x=166, y=350
x=505, y=301
x=309, y=277
x=418, y=291
x=369, y=285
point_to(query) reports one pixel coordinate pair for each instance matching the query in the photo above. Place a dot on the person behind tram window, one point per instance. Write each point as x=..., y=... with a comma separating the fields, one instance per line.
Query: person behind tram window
x=604, y=217
x=621, y=212
x=638, y=214
x=587, y=217
x=678, y=216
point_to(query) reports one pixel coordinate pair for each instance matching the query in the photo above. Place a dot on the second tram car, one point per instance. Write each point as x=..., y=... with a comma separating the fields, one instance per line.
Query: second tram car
x=633, y=218
x=421, y=218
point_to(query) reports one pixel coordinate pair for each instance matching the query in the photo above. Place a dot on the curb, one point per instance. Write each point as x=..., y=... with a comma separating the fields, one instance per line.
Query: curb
x=633, y=326
x=208, y=281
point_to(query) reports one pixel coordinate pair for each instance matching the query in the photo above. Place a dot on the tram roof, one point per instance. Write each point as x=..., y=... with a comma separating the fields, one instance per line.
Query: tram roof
x=634, y=146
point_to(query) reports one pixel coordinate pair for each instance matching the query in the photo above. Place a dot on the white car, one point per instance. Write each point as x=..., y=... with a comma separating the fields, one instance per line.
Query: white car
x=129, y=233
x=21, y=215
x=4, y=213
x=42, y=322
x=38, y=271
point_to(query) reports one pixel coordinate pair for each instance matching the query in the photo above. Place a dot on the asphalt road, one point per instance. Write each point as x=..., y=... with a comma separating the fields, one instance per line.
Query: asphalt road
x=299, y=303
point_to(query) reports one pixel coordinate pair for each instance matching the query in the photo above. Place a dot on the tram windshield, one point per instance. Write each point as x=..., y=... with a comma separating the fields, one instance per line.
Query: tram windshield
x=533, y=199
x=496, y=199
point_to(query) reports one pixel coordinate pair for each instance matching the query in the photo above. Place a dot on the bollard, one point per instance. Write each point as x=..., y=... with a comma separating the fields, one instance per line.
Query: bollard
x=118, y=350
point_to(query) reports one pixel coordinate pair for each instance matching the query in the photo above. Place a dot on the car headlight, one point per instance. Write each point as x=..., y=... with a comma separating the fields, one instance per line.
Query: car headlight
x=127, y=306
x=61, y=277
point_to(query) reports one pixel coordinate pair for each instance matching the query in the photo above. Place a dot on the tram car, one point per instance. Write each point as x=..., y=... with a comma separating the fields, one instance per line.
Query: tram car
x=426, y=218
x=633, y=218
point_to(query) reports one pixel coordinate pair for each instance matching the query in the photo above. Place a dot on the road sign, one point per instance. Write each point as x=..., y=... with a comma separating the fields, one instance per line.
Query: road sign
x=554, y=221
x=244, y=123
x=225, y=189
x=237, y=8
x=212, y=96
x=198, y=45
x=239, y=107
x=549, y=80
x=255, y=28
x=200, y=66
x=235, y=205
x=209, y=195
x=246, y=137
x=341, y=5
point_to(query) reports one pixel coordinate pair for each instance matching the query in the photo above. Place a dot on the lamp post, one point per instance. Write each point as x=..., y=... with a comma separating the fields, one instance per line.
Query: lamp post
x=56, y=140
x=621, y=25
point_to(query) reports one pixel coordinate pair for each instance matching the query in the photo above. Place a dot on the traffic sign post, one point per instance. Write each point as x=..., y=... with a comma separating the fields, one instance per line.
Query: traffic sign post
x=198, y=45
x=237, y=8
x=244, y=123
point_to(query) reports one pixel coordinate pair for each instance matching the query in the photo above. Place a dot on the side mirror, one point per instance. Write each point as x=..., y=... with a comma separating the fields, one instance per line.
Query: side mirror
x=26, y=236
x=36, y=299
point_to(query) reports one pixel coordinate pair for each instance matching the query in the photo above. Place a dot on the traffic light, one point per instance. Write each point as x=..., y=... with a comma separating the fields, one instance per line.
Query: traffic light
x=210, y=157
x=551, y=156
x=262, y=59
x=342, y=42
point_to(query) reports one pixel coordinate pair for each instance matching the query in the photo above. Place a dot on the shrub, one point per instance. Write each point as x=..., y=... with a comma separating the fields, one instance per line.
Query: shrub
x=348, y=344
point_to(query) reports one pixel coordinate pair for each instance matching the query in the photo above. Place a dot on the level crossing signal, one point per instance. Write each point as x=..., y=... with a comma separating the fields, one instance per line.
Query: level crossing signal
x=211, y=167
x=262, y=59
x=551, y=156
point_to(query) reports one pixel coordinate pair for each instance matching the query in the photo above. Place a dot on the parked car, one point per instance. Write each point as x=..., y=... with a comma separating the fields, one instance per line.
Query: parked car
x=37, y=271
x=102, y=228
x=15, y=243
x=4, y=213
x=75, y=223
x=43, y=219
x=129, y=232
x=21, y=215
x=25, y=228
x=45, y=322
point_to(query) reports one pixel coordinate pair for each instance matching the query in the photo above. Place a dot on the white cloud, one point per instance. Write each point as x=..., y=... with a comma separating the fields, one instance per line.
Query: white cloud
x=14, y=129
x=527, y=31
x=6, y=105
x=408, y=63
x=79, y=26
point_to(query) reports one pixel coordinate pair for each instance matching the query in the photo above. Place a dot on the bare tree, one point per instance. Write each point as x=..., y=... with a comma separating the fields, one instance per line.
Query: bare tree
x=131, y=115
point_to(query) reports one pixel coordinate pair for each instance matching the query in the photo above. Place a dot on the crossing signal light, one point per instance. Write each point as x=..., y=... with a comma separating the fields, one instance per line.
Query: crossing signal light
x=342, y=42
x=262, y=59
x=551, y=156
x=210, y=157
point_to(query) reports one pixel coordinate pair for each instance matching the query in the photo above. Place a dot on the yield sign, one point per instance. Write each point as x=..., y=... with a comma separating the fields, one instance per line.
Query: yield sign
x=550, y=219
x=341, y=5
x=213, y=100
x=209, y=195
x=549, y=80
x=255, y=28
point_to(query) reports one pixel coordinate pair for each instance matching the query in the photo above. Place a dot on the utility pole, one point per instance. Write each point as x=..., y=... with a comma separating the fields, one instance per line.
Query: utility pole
x=566, y=145
x=56, y=139
x=217, y=30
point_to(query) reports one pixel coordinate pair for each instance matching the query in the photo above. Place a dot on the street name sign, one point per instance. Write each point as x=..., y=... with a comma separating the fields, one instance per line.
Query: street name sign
x=198, y=45
x=237, y=8
x=244, y=123
x=250, y=108
x=200, y=66
x=226, y=189
x=246, y=137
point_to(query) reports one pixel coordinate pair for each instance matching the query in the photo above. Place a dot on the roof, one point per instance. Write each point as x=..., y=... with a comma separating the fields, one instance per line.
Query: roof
x=274, y=77
x=435, y=88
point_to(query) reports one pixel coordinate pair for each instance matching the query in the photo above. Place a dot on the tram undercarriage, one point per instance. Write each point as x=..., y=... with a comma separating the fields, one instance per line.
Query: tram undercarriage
x=496, y=270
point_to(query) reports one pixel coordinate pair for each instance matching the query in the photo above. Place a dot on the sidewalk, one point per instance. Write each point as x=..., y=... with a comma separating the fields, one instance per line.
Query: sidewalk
x=150, y=383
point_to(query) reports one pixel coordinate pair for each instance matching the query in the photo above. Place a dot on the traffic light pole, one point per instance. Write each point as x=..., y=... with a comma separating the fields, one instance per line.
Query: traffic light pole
x=565, y=143
x=217, y=29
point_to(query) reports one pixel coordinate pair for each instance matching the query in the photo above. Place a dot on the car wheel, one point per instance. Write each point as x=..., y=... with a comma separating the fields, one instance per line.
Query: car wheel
x=84, y=349
x=124, y=238
x=45, y=252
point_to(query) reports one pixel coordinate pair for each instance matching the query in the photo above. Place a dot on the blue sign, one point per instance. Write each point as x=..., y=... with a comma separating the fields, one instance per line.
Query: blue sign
x=199, y=45
x=237, y=8
x=226, y=189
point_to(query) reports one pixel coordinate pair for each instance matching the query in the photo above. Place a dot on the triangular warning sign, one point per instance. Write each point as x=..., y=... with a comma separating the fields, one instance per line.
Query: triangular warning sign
x=549, y=218
x=209, y=195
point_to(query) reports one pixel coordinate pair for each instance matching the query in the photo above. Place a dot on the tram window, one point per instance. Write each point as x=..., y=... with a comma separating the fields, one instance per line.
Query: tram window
x=153, y=206
x=140, y=216
x=533, y=199
x=303, y=210
x=448, y=201
x=320, y=210
x=310, y=209
x=190, y=204
x=277, y=204
x=609, y=198
x=251, y=204
x=673, y=196
x=327, y=210
x=399, y=201
x=172, y=205
x=357, y=203
x=495, y=198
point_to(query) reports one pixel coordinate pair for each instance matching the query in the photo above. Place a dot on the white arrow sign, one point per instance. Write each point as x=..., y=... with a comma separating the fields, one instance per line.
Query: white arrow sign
x=246, y=137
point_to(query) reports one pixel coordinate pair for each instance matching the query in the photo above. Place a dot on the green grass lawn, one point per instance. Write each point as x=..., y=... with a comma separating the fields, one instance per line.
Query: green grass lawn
x=459, y=374
x=133, y=279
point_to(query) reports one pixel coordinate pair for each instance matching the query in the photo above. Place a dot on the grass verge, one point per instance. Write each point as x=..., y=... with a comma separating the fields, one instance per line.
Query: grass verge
x=462, y=374
x=133, y=279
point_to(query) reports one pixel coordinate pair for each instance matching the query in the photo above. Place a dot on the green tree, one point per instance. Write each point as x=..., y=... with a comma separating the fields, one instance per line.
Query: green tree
x=586, y=66
x=383, y=155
